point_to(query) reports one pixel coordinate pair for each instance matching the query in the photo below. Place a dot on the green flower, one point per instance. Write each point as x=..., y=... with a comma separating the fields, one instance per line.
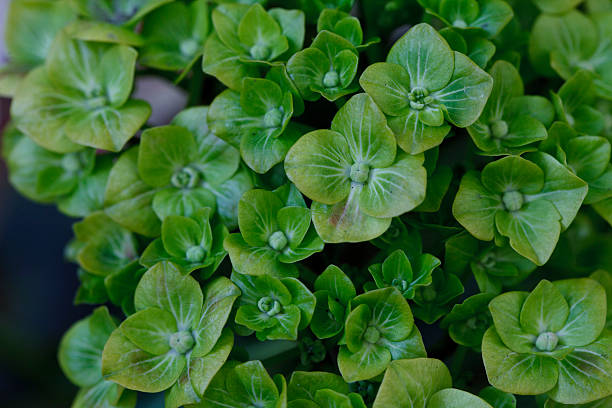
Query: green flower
x=527, y=201
x=551, y=341
x=510, y=122
x=423, y=85
x=433, y=301
x=174, y=35
x=80, y=357
x=176, y=339
x=575, y=104
x=588, y=157
x=563, y=44
x=274, y=234
x=75, y=181
x=274, y=308
x=353, y=175
x=334, y=292
x=247, y=39
x=468, y=321
x=30, y=29
x=327, y=68
x=396, y=271
x=80, y=97
x=191, y=243
x=488, y=17
x=422, y=383
x=317, y=389
x=256, y=121
x=245, y=385
x=379, y=329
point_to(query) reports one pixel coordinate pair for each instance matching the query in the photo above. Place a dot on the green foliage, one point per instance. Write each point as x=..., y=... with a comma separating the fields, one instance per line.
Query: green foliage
x=450, y=153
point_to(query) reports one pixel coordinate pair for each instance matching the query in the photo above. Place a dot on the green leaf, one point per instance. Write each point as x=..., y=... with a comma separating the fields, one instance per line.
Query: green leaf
x=80, y=350
x=257, y=29
x=294, y=223
x=118, y=13
x=100, y=31
x=514, y=372
x=370, y=361
x=256, y=260
x=426, y=56
x=468, y=321
x=587, y=310
x=588, y=156
x=127, y=365
x=319, y=165
x=179, y=234
x=411, y=383
x=304, y=385
x=544, y=310
x=336, y=283
x=466, y=93
x=475, y=207
x=164, y=287
x=183, y=202
x=585, y=374
x=292, y=24
x=104, y=394
x=150, y=330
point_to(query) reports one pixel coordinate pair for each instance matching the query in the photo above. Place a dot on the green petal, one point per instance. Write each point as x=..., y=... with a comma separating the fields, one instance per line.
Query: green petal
x=255, y=260
x=389, y=85
x=586, y=319
x=475, y=207
x=345, y=222
x=425, y=55
x=294, y=223
x=80, y=350
x=526, y=374
x=257, y=216
x=544, y=310
x=127, y=365
x=454, y=398
x=513, y=173
x=179, y=234
x=585, y=374
x=163, y=286
x=365, y=129
x=414, y=136
x=163, y=151
x=334, y=281
x=150, y=330
x=465, y=95
x=506, y=310
x=319, y=165
x=395, y=190
x=411, y=383
x=224, y=64
x=370, y=361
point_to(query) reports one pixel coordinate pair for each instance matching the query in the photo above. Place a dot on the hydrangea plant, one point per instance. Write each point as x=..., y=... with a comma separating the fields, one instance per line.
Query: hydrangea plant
x=326, y=202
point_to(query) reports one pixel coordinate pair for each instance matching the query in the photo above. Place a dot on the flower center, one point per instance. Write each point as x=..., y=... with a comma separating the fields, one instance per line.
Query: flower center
x=360, y=172
x=189, y=47
x=182, y=342
x=513, y=200
x=371, y=335
x=547, y=341
x=185, y=178
x=195, y=254
x=331, y=79
x=269, y=306
x=260, y=52
x=400, y=284
x=278, y=241
x=419, y=98
x=499, y=129
x=273, y=118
